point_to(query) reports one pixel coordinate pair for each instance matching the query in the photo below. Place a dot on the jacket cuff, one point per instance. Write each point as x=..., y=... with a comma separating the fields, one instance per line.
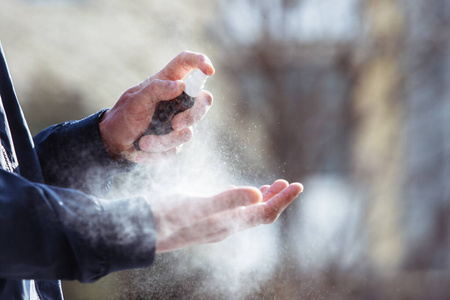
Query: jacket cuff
x=93, y=140
x=105, y=236
x=72, y=155
x=132, y=243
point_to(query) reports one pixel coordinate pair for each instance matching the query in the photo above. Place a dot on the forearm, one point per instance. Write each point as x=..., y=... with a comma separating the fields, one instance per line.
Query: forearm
x=56, y=233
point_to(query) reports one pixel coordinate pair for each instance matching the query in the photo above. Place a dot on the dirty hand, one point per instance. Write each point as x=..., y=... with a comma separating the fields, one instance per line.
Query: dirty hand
x=181, y=221
x=123, y=124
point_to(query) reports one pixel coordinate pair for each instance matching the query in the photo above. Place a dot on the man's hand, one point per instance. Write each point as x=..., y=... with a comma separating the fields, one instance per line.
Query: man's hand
x=181, y=221
x=131, y=115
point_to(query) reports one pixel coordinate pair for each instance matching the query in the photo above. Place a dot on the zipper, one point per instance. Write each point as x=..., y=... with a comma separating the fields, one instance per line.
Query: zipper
x=8, y=166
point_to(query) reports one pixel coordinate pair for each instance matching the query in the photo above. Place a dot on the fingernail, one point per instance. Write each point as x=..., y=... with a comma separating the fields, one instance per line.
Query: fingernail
x=179, y=148
x=209, y=62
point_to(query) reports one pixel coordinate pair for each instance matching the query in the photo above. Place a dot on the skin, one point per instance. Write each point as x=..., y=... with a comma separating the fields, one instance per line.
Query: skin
x=181, y=220
x=131, y=115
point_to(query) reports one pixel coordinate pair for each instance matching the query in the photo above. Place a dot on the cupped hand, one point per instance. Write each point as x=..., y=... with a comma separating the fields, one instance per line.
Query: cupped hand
x=181, y=221
x=124, y=123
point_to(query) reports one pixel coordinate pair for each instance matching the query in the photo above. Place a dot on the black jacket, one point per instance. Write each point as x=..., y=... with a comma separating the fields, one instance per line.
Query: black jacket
x=51, y=225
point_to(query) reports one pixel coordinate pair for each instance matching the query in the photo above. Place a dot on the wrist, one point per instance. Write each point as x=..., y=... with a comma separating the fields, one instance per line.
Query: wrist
x=108, y=142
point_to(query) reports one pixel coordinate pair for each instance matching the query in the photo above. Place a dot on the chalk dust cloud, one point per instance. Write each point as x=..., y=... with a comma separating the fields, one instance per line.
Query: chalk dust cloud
x=349, y=97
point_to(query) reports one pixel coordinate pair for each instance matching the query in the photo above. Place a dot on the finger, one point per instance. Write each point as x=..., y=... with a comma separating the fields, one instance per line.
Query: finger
x=274, y=189
x=229, y=199
x=182, y=211
x=264, y=188
x=221, y=225
x=278, y=203
x=143, y=157
x=183, y=63
x=193, y=115
x=157, y=90
x=265, y=212
x=239, y=196
x=162, y=143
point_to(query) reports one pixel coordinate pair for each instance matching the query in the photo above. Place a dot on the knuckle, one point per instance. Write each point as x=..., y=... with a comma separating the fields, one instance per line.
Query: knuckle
x=153, y=85
x=162, y=89
x=209, y=99
x=201, y=57
x=184, y=53
x=271, y=217
x=167, y=154
x=188, y=118
x=159, y=83
x=183, y=136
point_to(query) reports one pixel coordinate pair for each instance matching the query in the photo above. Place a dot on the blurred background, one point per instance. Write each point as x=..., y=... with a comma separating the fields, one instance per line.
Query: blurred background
x=349, y=97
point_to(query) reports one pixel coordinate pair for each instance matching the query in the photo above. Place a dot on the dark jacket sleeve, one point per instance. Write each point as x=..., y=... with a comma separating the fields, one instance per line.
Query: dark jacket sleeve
x=56, y=233
x=49, y=232
x=72, y=155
